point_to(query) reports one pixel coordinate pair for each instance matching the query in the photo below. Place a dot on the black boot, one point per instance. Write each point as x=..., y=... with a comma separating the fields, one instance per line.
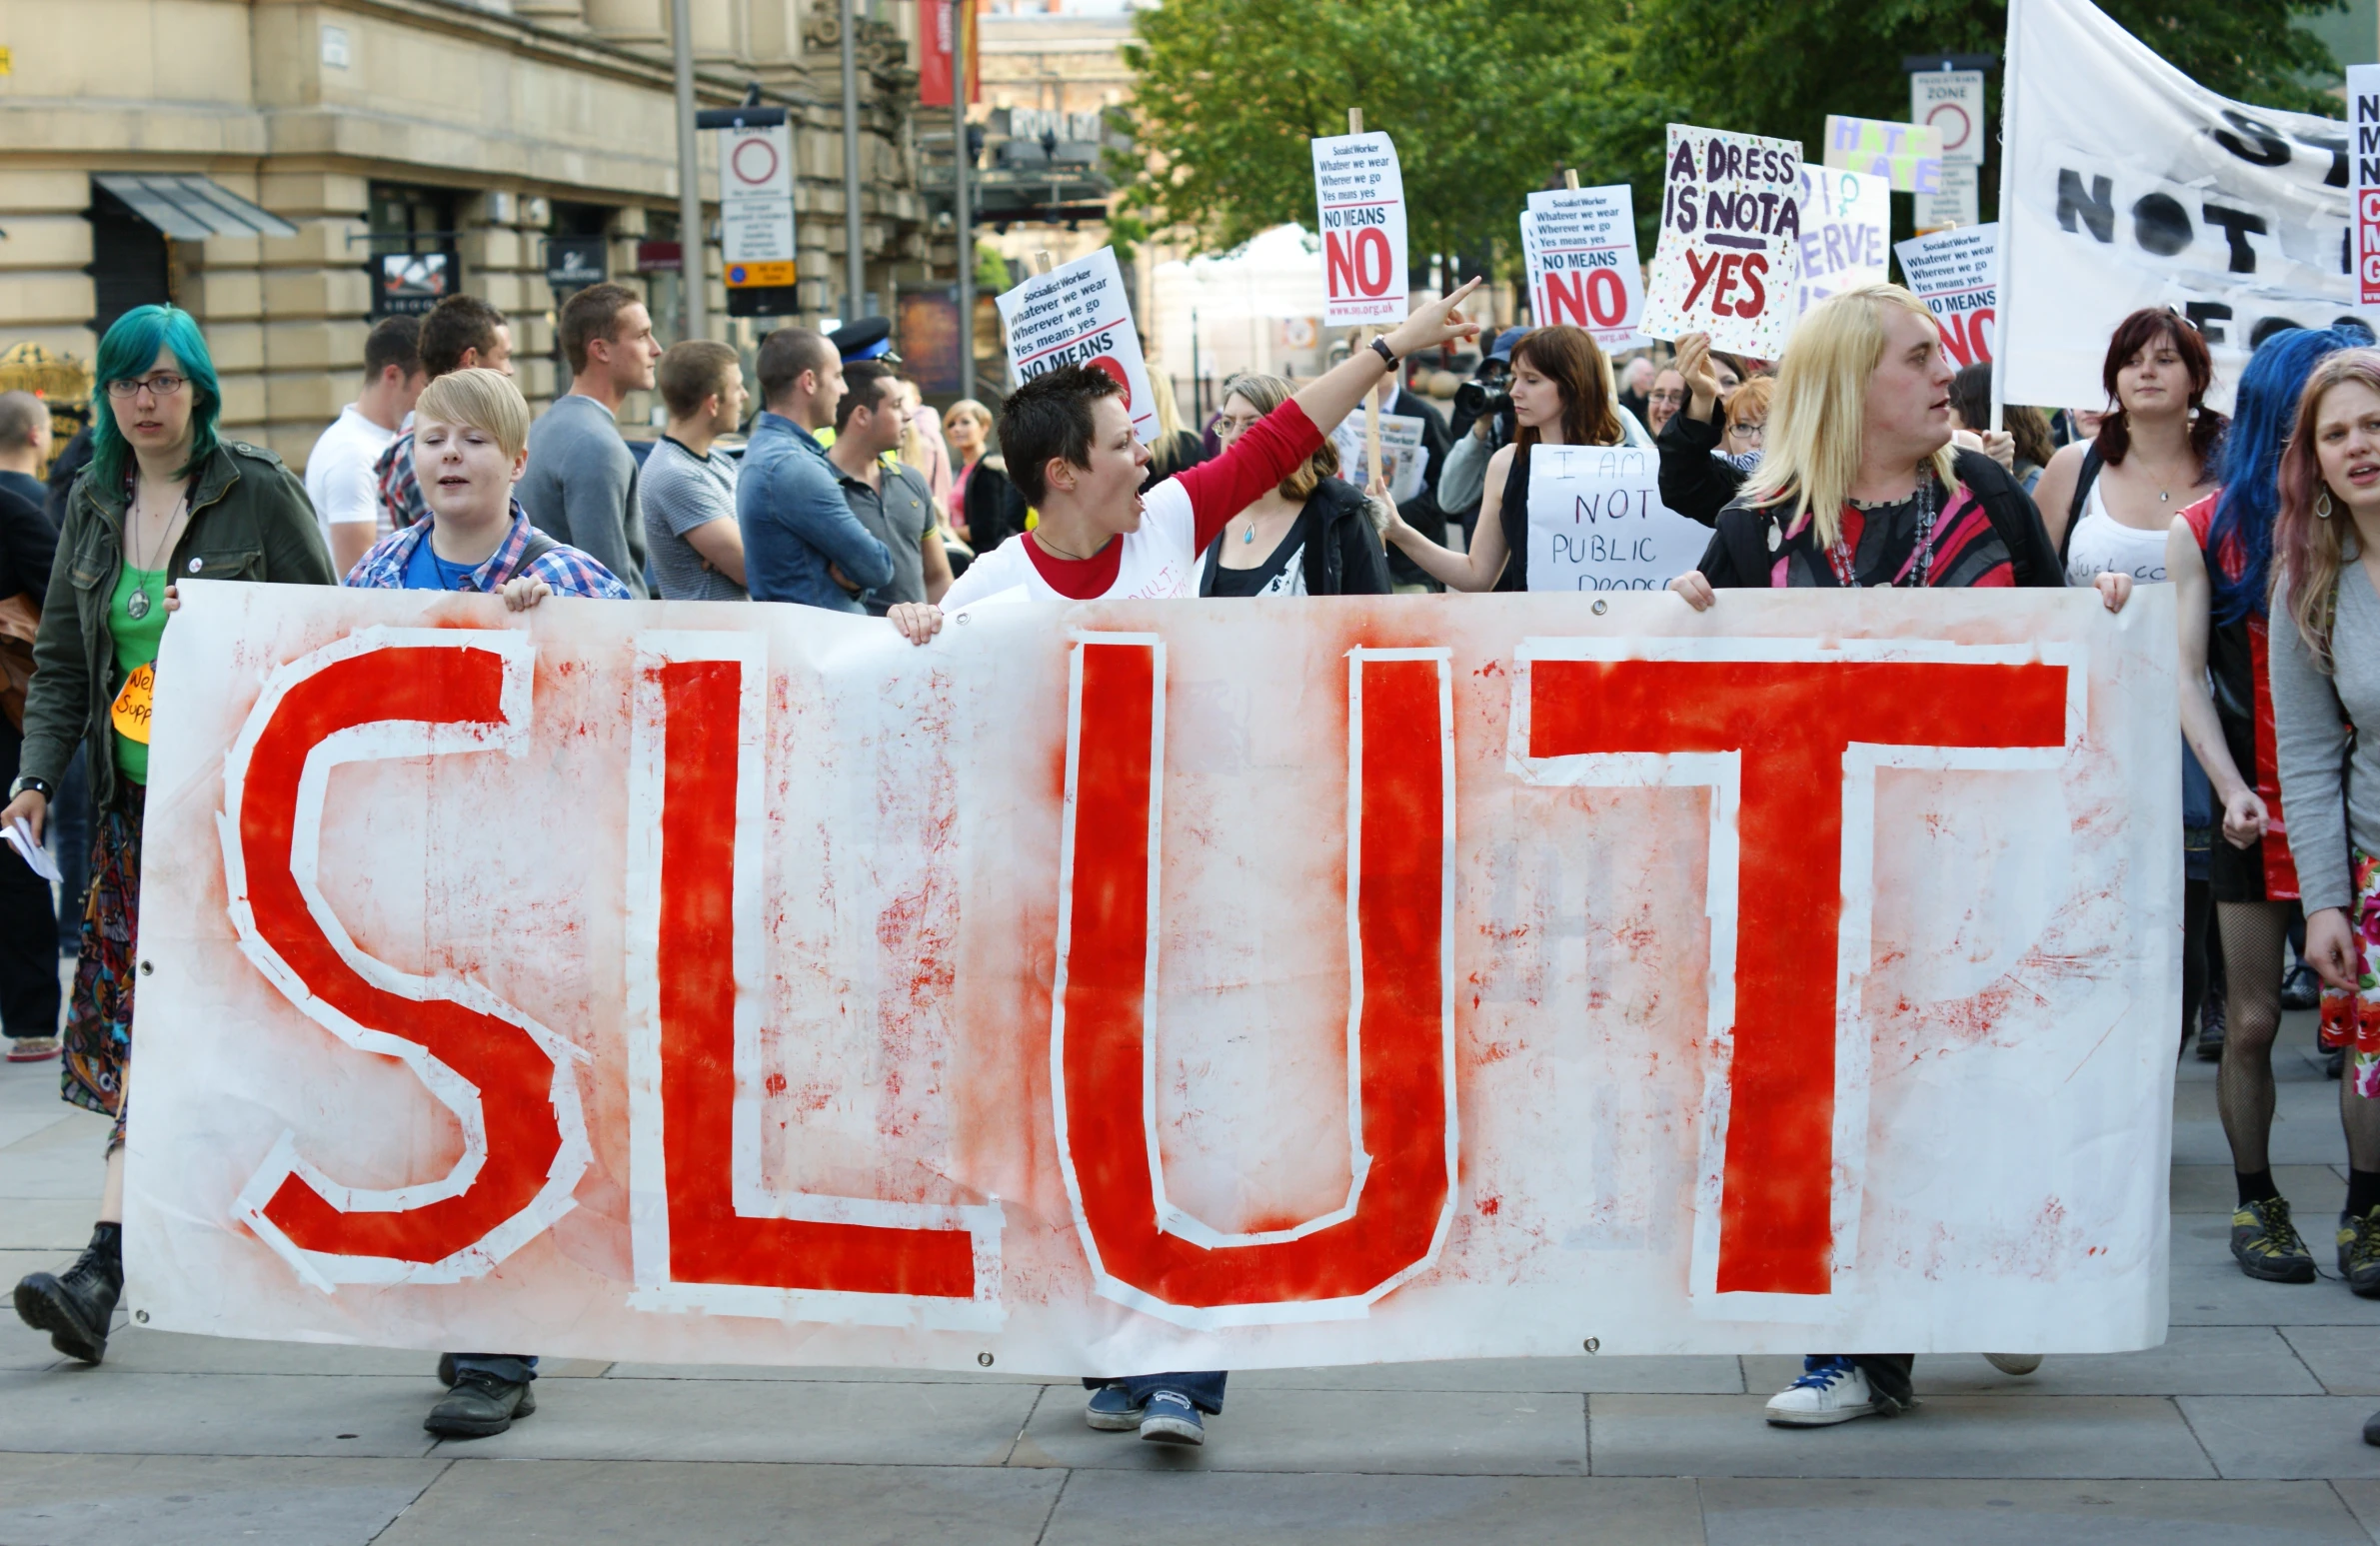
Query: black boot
x=76, y=1306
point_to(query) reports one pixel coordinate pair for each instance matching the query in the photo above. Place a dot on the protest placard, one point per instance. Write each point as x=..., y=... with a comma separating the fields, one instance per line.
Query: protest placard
x=1847, y=223
x=1910, y=156
x=2128, y=184
x=706, y=983
x=1581, y=245
x=1079, y=314
x=1729, y=253
x=1360, y=199
x=1400, y=451
x=1956, y=274
x=1957, y=202
x=2363, y=123
x=1597, y=521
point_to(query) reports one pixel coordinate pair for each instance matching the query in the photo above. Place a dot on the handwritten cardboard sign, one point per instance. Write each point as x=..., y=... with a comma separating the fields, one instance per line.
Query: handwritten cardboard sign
x=1910, y=156
x=1846, y=224
x=1359, y=198
x=1580, y=244
x=1729, y=253
x=1077, y=313
x=1597, y=521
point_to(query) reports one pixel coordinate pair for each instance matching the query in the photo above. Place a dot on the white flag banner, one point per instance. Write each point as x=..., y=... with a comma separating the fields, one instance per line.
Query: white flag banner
x=2127, y=184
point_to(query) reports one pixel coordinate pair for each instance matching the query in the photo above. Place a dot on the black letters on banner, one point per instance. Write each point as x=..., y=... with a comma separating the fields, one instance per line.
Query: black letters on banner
x=2097, y=209
x=2236, y=224
x=2160, y=225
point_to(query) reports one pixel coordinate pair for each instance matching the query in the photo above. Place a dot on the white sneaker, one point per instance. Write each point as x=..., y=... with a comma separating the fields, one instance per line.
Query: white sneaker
x=2013, y=1363
x=1833, y=1391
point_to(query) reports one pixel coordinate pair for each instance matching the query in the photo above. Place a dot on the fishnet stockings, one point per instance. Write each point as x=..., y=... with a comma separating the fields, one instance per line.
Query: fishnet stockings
x=2253, y=934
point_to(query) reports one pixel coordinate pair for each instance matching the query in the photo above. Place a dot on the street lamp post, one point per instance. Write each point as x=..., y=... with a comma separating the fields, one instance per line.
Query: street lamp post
x=961, y=215
x=693, y=271
x=854, y=259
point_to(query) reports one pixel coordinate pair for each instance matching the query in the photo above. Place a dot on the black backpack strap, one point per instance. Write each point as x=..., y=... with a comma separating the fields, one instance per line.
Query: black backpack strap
x=539, y=545
x=2093, y=461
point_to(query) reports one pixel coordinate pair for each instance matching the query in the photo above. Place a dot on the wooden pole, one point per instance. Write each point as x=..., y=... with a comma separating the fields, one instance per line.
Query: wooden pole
x=1041, y=262
x=1371, y=417
x=1354, y=120
x=1569, y=177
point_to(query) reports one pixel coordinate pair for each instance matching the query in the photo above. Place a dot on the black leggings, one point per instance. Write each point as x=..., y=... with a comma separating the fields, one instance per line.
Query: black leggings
x=2202, y=953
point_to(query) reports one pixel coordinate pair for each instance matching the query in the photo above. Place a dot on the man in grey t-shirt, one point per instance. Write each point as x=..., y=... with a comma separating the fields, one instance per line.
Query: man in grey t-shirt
x=892, y=500
x=581, y=484
x=689, y=491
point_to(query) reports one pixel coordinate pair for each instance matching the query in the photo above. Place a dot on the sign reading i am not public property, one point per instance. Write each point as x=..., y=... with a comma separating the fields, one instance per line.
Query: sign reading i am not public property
x=1582, y=270
x=1359, y=198
x=1597, y=521
x=1077, y=315
x=1731, y=244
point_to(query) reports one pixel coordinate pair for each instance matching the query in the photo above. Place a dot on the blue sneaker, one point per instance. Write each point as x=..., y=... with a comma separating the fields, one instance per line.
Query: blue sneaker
x=1112, y=1410
x=1172, y=1419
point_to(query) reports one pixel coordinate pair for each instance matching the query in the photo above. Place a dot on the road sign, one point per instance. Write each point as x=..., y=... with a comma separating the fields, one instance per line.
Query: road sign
x=1951, y=101
x=755, y=218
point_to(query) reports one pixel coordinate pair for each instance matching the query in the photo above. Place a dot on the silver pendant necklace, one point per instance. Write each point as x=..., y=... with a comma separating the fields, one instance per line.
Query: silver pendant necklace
x=136, y=605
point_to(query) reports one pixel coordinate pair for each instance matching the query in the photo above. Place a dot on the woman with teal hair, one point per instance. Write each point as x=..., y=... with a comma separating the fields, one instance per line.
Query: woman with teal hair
x=164, y=499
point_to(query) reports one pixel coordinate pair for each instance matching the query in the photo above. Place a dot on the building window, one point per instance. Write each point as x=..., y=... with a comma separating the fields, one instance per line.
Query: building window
x=414, y=264
x=130, y=262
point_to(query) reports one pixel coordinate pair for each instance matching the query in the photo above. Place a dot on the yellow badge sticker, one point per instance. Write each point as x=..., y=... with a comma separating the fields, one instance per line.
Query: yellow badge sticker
x=131, y=711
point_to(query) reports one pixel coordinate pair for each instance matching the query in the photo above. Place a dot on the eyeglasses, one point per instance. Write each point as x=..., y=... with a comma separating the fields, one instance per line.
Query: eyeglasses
x=1674, y=398
x=1747, y=431
x=1232, y=424
x=163, y=384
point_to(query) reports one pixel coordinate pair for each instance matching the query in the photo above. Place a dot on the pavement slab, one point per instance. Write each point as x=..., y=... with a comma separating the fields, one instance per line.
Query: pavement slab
x=1444, y=1433
x=203, y=1500
x=2285, y=1436
x=2026, y=1513
x=1099, y=1508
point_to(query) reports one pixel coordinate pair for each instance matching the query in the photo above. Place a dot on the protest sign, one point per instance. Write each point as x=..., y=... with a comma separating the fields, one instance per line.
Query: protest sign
x=1079, y=314
x=2363, y=123
x=1957, y=202
x=1957, y=275
x=1581, y=245
x=1400, y=451
x=1729, y=253
x=1188, y=984
x=1846, y=222
x=1950, y=102
x=1597, y=521
x=1908, y=155
x=2127, y=184
x=1360, y=195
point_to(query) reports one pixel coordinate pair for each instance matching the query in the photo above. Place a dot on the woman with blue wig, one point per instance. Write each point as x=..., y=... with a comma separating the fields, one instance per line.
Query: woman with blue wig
x=2219, y=553
x=164, y=499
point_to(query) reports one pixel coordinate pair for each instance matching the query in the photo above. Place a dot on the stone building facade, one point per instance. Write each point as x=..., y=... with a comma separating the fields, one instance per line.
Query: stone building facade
x=466, y=136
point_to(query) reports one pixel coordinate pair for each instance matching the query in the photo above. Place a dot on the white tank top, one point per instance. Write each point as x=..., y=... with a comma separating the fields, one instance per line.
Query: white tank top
x=2102, y=545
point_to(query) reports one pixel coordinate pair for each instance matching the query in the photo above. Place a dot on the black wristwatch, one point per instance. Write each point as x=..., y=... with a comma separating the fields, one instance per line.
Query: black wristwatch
x=1380, y=346
x=38, y=786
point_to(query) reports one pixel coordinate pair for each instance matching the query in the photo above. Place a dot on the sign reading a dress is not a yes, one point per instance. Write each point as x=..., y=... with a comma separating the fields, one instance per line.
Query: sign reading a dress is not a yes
x=1729, y=252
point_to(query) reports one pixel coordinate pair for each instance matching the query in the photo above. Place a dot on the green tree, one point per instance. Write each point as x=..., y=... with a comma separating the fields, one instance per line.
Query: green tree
x=1489, y=101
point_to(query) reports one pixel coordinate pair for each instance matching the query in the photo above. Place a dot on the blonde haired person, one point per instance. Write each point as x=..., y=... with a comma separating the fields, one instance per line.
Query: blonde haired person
x=1309, y=534
x=966, y=429
x=1858, y=483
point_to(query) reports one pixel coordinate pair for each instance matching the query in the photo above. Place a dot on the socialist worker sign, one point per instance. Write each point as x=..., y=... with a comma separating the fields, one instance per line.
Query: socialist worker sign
x=1158, y=984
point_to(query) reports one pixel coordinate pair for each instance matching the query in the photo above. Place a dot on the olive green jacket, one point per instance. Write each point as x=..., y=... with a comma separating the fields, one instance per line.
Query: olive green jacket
x=249, y=519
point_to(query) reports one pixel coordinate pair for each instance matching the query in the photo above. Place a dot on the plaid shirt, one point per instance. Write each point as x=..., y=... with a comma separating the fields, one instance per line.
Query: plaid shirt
x=399, y=491
x=566, y=570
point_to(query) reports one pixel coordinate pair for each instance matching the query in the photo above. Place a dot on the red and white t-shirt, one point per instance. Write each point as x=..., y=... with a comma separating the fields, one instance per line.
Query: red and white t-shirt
x=1178, y=518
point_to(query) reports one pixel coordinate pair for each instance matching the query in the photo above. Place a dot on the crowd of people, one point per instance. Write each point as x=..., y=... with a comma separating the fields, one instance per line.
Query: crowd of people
x=1861, y=458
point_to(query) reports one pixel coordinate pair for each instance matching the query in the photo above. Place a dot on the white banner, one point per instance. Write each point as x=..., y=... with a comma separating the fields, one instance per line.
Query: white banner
x=1079, y=314
x=1360, y=199
x=1401, y=450
x=1957, y=275
x=1729, y=253
x=1846, y=222
x=1581, y=246
x=2129, y=185
x=1185, y=984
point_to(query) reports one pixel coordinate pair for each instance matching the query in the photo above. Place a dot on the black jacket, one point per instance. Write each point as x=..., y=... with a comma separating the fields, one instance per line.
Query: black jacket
x=1423, y=512
x=1739, y=554
x=1343, y=551
x=1694, y=483
x=994, y=509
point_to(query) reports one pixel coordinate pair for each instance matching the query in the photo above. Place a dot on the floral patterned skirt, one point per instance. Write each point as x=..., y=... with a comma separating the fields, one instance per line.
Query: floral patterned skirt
x=98, y=1038
x=2351, y=1022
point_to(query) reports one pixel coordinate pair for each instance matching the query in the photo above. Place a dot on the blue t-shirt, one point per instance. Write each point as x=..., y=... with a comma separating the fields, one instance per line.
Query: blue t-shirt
x=426, y=570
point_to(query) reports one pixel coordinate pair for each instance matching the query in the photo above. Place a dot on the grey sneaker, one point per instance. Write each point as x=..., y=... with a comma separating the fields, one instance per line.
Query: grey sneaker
x=1172, y=1419
x=2013, y=1363
x=478, y=1406
x=2268, y=1246
x=1112, y=1409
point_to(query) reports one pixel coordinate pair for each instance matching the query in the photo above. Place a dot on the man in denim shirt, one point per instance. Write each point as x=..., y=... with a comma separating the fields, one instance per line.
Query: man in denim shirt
x=800, y=541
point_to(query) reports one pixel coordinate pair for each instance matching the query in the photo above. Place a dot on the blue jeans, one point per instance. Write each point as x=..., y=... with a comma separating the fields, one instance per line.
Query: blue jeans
x=1204, y=1391
x=512, y=1368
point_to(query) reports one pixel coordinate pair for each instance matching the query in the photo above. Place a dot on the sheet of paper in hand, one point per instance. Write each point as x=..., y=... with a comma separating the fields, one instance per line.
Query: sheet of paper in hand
x=1079, y=314
x=1401, y=449
x=1730, y=245
x=1597, y=521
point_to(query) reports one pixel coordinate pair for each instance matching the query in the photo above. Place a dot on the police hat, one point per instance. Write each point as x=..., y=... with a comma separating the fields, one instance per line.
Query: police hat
x=870, y=338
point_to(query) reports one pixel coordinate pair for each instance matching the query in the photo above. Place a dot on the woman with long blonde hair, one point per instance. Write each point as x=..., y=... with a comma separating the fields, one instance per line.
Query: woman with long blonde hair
x=2325, y=667
x=1858, y=483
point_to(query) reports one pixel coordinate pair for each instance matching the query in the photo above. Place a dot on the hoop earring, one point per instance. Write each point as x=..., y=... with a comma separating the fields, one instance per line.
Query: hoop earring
x=2322, y=504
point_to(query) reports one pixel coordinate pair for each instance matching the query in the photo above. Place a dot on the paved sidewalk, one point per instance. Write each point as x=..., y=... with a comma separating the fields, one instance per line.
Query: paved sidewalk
x=2244, y=1428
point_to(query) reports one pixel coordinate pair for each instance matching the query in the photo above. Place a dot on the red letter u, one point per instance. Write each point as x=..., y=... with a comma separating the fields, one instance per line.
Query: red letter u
x=1145, y=1251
